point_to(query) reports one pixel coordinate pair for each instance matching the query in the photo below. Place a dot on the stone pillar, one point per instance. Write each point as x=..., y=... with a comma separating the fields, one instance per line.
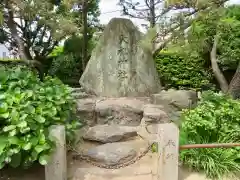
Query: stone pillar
x=56, y=169
x=168, y=151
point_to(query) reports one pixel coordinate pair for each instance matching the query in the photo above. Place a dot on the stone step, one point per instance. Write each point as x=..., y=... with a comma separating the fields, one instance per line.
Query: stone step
x=112, y=154
x=124, y=111
x=109, y=133
x=131, y=111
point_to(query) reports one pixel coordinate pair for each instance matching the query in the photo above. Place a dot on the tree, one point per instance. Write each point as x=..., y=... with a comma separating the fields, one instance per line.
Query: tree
x=155, y=10
x=85, y=13
x=41, y=25
x=88, y=6
x=215, y=36
x=33, y=28
x=225, y=49
x=70, y=63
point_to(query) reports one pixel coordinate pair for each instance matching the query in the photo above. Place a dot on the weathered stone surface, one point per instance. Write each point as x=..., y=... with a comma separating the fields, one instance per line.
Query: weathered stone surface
x=124, y=111
x=119, y=65
x=174, y=101
x=57, y=167
x=152, y=116
x=85, y=110
x=155, y=114
x=136, y=171
x=168, y=151
x=180, y=99
x=111, y=153
x=109, y=133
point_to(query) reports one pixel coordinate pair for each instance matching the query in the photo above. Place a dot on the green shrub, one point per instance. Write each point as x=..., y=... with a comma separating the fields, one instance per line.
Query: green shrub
x=56, y=51
x=28, y=107
x=216, y=119
x=9, y=62
x=65, y=66
x=177, y=71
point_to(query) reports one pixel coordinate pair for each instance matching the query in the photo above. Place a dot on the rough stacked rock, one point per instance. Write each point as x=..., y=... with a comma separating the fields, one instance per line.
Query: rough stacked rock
x=115, y=147
x=124, y=111
x=129, y=111
x=109, y=133
x=174, y=101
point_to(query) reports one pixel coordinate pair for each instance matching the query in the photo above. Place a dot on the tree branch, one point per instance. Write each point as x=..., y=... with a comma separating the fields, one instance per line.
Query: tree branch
x=169, y=33
x=216, y=70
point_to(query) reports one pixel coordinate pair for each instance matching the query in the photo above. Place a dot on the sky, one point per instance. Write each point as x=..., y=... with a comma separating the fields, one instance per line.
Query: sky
x=110, y=9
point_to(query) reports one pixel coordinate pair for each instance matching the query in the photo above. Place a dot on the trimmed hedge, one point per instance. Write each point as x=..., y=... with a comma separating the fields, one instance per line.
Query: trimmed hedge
x=177, y=71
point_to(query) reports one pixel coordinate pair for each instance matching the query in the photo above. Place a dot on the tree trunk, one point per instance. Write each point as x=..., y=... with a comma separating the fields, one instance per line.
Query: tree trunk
x=216, y=70
x=234, y=87
x=85, y=35
x=152, y=17
x=14, y=33
x=20, y=45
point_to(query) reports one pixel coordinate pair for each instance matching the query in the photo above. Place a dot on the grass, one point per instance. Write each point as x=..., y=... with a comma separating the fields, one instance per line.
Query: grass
x=215, y=162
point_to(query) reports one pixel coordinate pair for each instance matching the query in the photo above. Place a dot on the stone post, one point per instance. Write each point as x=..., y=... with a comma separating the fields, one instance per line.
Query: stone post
x=56, y=169
x=168, y=150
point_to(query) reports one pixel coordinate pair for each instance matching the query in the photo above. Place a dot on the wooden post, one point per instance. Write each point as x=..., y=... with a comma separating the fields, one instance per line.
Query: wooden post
x=168, y=150
x=56, y=169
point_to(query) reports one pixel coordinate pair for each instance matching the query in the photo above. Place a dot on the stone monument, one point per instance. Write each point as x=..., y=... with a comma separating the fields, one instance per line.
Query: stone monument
x=119, y=65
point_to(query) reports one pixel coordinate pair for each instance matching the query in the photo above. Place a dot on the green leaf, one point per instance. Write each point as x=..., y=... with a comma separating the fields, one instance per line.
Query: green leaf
x=29, y=93
x=25, y=130
x=13, y=132
x=34, y=141
x=34, y=155
x=23, y=117
x=42, y=139
x=14, y=115
x=22, y=124
x=44, y=159
x=3, y=107
x=30, y=109
x=5, y=115
x=13, y=140
x=9, y=128
x=2, y=96
x=40, y=119
x=3, y=75
x=40, y=148
x=27, y=146
x=8, y=160
x=3, y=144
